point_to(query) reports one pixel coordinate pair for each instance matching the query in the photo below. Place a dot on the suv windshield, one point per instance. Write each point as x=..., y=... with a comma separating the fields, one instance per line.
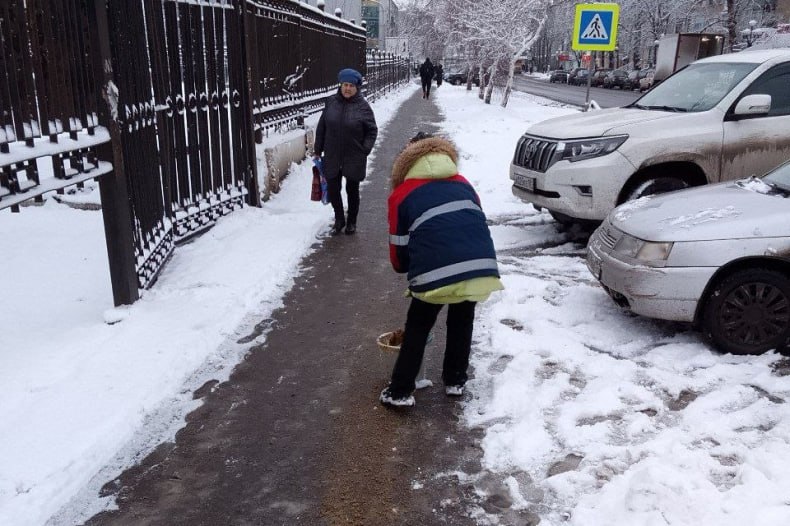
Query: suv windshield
x=698, y=87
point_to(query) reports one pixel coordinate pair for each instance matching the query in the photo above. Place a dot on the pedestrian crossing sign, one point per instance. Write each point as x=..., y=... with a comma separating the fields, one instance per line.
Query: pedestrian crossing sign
x=595, y=27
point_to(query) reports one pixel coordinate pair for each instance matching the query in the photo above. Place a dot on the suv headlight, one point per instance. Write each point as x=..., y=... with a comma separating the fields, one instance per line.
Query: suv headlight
x=581, y=149
x=646, y=251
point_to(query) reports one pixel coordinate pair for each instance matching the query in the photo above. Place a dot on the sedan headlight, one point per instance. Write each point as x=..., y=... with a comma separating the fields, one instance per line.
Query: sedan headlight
x=646, y=251
x=588, y=148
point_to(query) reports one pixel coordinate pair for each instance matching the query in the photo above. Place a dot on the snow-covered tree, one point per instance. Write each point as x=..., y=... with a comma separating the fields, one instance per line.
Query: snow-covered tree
x=493, y=35
x=502, y=30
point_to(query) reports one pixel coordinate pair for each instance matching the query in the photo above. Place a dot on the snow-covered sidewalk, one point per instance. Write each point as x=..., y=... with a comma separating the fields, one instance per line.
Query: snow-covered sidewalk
x=83, y=399
x=592, y=416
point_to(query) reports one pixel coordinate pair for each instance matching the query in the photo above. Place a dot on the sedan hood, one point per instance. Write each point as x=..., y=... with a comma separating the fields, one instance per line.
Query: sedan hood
x=732, y=210
x=595, y=123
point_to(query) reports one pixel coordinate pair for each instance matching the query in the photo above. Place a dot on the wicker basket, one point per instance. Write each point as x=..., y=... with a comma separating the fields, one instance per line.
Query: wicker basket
x=384, y=345
x=383, y=341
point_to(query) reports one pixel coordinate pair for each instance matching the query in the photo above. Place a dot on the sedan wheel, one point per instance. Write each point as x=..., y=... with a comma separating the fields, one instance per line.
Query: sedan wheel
x=749, y=312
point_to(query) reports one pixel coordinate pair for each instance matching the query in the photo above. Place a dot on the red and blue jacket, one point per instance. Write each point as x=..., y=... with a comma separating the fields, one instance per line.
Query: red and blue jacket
x=438, y=233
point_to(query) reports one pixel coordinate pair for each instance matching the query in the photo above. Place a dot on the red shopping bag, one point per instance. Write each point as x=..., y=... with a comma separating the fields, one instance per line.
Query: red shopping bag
x=315, y=191
x=322, y=193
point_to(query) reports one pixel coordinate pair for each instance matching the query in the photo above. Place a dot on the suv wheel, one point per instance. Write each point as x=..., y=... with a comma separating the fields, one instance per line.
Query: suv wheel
x=456, y=82
x=655, y=185
x=568, y=222
x=749, y=312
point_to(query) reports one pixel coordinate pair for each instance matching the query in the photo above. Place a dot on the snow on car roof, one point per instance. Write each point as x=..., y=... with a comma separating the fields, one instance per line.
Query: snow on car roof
x=757, y=56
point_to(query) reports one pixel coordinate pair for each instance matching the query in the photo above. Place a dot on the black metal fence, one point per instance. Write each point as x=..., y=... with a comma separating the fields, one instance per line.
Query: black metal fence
x=188, y=88
x=184, y=126
x=48, y=86
x=295, y=54
x=384, y=72
x=47, y=91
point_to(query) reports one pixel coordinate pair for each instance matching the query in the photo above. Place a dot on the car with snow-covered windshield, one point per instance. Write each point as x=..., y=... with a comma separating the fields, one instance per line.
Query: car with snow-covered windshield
x=719, y=119
x=717, y=256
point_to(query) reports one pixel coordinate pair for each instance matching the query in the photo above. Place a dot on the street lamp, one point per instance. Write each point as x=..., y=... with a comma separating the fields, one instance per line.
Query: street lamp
x=749, y=33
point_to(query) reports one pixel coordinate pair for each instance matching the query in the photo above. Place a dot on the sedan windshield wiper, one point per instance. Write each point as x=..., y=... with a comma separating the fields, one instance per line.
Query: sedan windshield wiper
x=779, y=189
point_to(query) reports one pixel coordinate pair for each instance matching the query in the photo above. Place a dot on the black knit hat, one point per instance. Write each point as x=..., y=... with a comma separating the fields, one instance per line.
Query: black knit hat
x=420, y=136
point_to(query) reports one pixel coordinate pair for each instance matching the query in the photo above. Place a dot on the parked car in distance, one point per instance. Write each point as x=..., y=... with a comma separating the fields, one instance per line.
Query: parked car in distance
x=559, y=75
x=718, y=119
x=572, y=74
x=579, y=78
x=597, y=78
x=457, y=78
x=646, y=82
x=615, y=79
x=631, y=82
x=717, y=256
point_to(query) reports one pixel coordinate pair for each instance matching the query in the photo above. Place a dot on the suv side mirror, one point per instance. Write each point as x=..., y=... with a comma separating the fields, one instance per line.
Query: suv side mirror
x=757, y=104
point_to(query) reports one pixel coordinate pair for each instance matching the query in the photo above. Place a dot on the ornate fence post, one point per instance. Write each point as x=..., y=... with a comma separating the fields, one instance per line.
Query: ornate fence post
x=116, y=210
x=249, y=52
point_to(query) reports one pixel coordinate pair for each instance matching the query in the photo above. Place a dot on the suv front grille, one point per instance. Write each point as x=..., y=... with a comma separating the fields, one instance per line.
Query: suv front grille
x=535, y=153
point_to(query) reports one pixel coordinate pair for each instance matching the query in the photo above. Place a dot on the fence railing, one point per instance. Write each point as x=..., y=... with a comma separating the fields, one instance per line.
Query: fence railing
x=384, y=72
x=48, y=103
x=188, y=88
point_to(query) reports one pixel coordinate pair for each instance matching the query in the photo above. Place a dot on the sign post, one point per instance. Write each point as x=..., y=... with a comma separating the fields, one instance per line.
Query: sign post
x=595, y=29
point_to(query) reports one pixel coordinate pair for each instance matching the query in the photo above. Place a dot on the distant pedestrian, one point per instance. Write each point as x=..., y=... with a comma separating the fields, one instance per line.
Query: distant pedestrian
x=439, y=74
x=439, y=236
x=426, y=76
x=345, y=136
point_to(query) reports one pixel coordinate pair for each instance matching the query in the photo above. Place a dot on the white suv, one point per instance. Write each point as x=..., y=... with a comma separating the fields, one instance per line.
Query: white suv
x=718, y=119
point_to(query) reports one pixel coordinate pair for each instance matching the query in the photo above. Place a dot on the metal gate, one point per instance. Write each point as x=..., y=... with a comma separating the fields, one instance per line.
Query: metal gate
x=197, y=81
x=179, y=70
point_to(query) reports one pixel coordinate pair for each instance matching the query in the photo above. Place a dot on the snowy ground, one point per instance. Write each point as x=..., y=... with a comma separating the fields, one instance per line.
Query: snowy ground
x=83, y=399
x=591, y=417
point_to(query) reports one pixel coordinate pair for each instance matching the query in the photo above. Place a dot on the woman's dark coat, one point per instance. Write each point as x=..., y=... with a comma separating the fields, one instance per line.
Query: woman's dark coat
x=345, y=136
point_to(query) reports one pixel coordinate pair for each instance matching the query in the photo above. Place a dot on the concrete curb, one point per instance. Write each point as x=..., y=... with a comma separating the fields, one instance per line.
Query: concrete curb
x=279, y=156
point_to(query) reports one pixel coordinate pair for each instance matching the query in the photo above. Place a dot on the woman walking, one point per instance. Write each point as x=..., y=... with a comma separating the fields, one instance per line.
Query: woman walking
x=439, y=235
x=344, y=137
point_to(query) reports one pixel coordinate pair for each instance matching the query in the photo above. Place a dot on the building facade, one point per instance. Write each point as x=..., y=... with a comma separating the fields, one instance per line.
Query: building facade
x=381, y=17
x=351, y=9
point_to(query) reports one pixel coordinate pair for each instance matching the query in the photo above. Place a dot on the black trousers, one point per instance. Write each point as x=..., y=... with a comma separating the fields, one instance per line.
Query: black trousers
x=336, y=198
x=419, y=322
x=426, y=87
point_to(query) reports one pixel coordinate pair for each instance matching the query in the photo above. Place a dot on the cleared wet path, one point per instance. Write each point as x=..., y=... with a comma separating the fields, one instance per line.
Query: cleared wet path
x=297, y=436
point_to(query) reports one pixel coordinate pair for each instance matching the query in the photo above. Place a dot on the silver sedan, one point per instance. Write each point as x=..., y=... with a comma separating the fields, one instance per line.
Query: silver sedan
x=717, y=256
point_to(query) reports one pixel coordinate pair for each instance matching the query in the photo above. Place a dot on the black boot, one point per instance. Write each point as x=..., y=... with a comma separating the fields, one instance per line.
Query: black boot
x=351, y=228
x=337, y=228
